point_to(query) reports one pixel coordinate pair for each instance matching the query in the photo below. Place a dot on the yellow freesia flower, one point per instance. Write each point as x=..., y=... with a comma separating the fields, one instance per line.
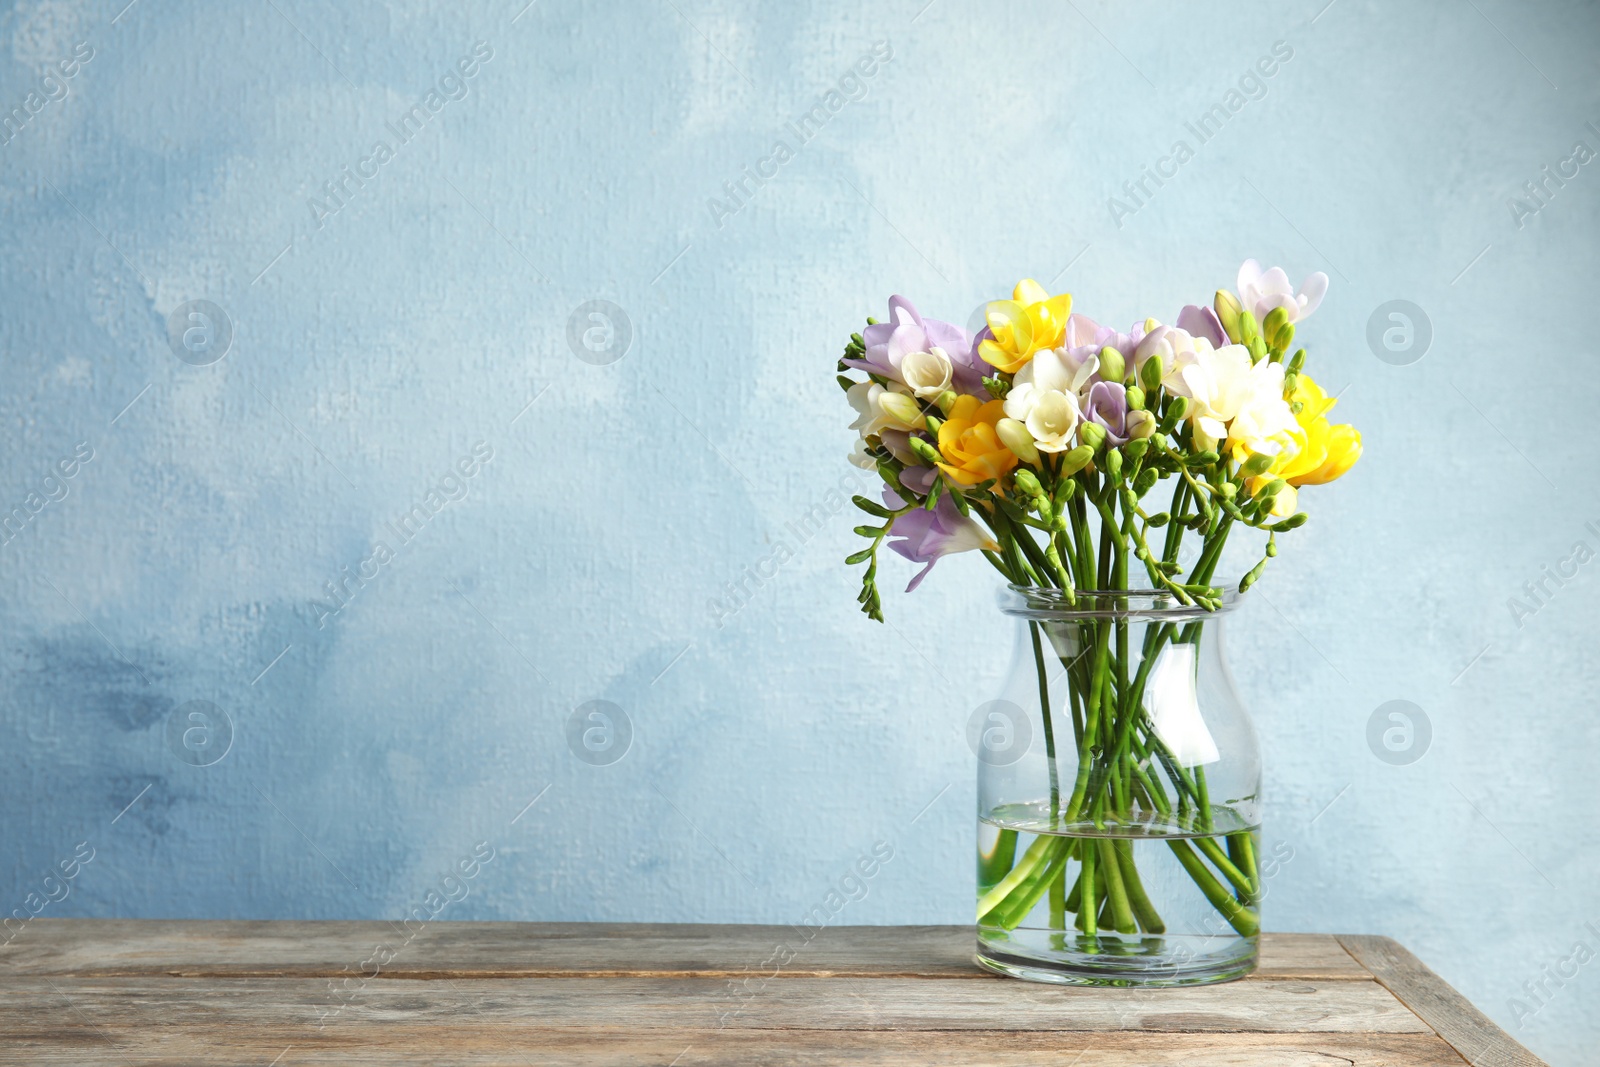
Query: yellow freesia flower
x=1030, y=321
x=1318, y=451
x=970, y=444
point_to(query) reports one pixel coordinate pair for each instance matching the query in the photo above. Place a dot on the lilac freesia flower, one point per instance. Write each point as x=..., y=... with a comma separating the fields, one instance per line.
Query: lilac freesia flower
x=1108, y=406
x=923, y=536
x=918, y=479
x=906, y=332
x=1200, y=321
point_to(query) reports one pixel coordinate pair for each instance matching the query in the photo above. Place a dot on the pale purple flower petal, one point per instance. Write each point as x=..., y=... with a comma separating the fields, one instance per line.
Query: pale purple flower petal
x=1200, y=321
x=1108, y=407
x=924, y=536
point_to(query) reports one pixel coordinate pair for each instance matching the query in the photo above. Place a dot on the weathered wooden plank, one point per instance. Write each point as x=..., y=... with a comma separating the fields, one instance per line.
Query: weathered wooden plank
x=104, y=947
x=1466, y=1028
x=286, y=1007
x=398, y=1044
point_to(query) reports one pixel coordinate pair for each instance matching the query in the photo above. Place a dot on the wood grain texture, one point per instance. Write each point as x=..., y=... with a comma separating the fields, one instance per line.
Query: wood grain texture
x=174, y=993
x=1435, y=1001
x=195, y=948
x=404, y=1045
x=1266, y=1006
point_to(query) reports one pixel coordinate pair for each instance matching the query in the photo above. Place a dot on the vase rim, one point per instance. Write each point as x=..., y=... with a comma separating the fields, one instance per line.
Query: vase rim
x=1040, y=604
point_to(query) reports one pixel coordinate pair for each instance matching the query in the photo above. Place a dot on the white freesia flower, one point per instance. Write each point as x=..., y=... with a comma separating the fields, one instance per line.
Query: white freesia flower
x=927, y=374
x=861, y=457
x=1044, y=398
x=1260, y=292
x=1236, y=401
x=1052, y=420
x=1178, y=349
x=1057, y=370
x=873, y=416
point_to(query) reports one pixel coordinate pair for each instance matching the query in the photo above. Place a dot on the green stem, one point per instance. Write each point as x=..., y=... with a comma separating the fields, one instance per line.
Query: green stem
x=1237, y=915
x=1149, y=919
x=1049, y=729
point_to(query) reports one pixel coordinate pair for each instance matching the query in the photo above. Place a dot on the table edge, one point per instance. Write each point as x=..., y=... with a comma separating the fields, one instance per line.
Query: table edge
x=1474, y=1036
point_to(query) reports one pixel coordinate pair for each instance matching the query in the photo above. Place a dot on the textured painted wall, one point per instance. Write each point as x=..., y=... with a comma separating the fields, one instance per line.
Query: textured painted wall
x=402, y=325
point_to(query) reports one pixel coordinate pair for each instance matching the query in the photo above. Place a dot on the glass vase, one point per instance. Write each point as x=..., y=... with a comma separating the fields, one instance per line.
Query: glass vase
x=1119, y=791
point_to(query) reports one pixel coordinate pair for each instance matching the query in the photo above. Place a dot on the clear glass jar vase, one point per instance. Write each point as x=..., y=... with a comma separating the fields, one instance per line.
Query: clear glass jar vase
x=1119, y=791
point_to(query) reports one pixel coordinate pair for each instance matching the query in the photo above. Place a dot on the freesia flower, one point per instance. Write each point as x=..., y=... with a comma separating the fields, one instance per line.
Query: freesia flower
x=907, y=332
x=972, y=449
x=877, y=409
x=1321, y=451
x=925, y=536
x=1177, y=349
x=1199, y=321
x=1031, y=320
x=1044, y=397
x=1260, y=292
x=927, y=374
x=1107, y=407
x=1237, y=402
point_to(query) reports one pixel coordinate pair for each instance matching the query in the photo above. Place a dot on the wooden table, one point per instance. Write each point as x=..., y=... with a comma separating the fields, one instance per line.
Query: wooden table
x=91, y=991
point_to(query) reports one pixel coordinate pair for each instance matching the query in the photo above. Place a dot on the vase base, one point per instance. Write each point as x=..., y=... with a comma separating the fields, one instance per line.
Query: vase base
x=1152, y=968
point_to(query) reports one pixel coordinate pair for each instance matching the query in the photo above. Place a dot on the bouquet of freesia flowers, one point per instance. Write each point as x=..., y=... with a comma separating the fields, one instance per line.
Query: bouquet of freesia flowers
x=1077, y=458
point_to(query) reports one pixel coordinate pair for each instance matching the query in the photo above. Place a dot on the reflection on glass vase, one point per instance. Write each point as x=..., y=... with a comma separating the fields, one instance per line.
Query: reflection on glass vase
x=1119, y=790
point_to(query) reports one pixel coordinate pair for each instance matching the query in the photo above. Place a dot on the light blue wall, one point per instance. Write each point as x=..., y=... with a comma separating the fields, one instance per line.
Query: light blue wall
x=771, y=747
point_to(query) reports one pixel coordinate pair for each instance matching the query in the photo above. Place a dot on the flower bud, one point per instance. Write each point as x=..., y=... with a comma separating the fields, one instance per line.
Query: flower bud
x=1298, y=361
x=1146, y=481
x=1091, y=435
x=1283, y=338
x=900, y=406
x=1227, y=308
x=1074, y=461
x=1294, y=521
x=1151, y=373
x=933, y=425
x=1276, y=320
x=1256, y=464
x=1015, y=436
x=1140, y=425
x=1177, y=408
x=1113, y=463
x=1135, y=397
x=1112, y=364
x=1027, y=482
x=1137, y=447
x=1249, y=328
x=1258, y=349
x=946, y=401
x=925, y=452
x=1272, y=489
